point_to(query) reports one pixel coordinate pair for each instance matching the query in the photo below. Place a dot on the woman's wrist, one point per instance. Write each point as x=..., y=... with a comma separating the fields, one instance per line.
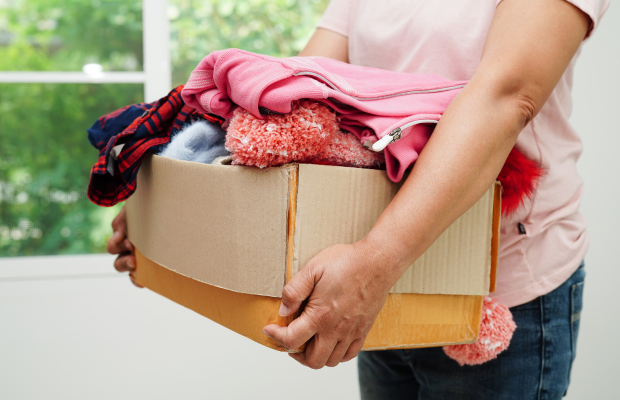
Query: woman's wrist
x=386, y=254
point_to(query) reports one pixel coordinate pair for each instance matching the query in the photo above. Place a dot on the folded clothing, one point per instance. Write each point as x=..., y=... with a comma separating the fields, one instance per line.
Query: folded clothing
x=126, y=136
x=307, y=134
x=395, y=112
x=201, y=142
x=372, y=103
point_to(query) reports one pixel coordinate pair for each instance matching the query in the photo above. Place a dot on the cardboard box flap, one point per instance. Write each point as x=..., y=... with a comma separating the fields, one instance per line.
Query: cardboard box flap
x=459, y=262
x=243, y=212
x=497, y=216
x=344, y=210
x=337, y=205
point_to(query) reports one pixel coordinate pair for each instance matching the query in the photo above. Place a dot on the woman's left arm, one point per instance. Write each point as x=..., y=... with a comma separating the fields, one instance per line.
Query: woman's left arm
x=528, y=47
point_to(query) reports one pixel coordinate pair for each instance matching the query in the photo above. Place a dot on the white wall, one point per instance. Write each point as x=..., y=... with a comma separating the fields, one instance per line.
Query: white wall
x=73, y=329
x=595, y=116
x=70, y=328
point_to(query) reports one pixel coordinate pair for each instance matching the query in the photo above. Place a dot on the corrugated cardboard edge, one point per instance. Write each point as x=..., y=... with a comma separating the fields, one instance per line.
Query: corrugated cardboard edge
x=497, y=217
x=293, y=177
x=290, y=222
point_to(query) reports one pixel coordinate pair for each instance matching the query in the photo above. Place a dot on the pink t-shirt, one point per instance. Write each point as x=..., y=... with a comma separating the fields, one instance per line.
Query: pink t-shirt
x=446, y=37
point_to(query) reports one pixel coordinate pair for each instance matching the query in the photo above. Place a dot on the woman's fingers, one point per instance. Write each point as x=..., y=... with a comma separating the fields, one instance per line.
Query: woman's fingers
x=118, y=242
x=128, y=245
x=313, y=357
x=118, y=222
x=125, y=262
x=293, y=336
x=115, y=243
x=319, y=350
x=353, y=350
x=338, y=354
x=299, y=357
x=296, y=291
x=133, y=280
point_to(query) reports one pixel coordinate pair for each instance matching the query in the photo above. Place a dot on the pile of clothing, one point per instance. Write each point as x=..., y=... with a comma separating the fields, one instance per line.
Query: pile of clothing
x=126, y=136
x=170, y=128
x=248, y=109
x=264, y=111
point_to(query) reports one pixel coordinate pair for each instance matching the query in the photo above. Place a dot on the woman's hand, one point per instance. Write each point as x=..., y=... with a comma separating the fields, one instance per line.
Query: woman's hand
x=347, y=285
x=119, y=244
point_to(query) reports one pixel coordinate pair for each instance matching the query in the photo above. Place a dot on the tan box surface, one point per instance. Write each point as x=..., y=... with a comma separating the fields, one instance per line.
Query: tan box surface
x=223, y=240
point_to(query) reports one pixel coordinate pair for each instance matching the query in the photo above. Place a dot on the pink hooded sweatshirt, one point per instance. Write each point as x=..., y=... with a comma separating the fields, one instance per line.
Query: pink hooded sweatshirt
x=390, y=111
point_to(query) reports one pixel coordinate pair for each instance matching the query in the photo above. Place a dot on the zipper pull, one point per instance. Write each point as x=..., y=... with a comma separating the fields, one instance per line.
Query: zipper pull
x=391, y=137
x=368, y=144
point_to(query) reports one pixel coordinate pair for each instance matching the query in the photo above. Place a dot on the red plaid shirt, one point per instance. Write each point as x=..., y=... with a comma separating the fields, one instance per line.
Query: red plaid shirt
x=113, y=179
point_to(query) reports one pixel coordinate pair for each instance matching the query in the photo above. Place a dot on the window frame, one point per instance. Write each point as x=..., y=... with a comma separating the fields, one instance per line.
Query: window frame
x=156, y=75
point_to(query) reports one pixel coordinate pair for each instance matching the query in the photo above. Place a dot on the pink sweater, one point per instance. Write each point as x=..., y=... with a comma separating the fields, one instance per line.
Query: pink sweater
x=373, y=103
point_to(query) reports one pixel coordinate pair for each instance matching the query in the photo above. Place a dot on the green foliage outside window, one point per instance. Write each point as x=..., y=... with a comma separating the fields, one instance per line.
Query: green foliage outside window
x=44, y=165
x=70, y=33
x=279, y=28
x=45, y=157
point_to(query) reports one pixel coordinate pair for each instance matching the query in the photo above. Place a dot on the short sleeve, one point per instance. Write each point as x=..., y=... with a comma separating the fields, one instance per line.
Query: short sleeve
x=336, y=17
x=593, y=9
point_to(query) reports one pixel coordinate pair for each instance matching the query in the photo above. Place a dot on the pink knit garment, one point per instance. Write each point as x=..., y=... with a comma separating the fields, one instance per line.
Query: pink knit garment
x=496, y=329
x=345, y=150
x=308, y=134
x=371, y=102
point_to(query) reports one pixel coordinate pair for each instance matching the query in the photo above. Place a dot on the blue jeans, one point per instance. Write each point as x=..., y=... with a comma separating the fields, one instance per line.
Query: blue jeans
x=536, y=365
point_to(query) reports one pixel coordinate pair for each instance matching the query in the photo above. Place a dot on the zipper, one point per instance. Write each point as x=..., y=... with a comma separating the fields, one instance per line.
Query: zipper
x=396, y=134
x=435, y=90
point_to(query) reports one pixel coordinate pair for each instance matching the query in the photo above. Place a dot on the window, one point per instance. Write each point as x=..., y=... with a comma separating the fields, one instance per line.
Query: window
x=64, y=63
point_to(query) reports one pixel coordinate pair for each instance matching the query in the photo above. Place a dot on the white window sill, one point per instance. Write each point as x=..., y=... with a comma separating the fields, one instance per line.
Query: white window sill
x=58, y=267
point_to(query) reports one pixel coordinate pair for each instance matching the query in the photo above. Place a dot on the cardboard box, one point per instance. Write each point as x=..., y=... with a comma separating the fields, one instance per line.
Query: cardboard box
x=224, y=240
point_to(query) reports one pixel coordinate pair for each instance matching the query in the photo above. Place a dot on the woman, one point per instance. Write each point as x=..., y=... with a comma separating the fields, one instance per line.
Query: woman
x=518, y=57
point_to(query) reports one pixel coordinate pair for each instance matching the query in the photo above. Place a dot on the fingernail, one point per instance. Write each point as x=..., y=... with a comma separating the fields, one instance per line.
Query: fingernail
x=266, y=334
x=128, y=245
x=131, y=264
x=116, y=235
x=283, y=310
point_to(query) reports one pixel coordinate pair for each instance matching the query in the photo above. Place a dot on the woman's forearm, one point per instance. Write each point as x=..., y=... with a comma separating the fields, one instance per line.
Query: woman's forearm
x=524, y=57
x=458, y=165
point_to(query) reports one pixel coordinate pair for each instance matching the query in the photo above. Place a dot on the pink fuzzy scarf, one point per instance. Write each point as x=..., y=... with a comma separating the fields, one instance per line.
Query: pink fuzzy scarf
x=308, y=134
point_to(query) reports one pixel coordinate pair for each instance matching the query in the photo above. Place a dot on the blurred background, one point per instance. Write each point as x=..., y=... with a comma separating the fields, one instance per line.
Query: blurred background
x=85, y=59
x=72, y=328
